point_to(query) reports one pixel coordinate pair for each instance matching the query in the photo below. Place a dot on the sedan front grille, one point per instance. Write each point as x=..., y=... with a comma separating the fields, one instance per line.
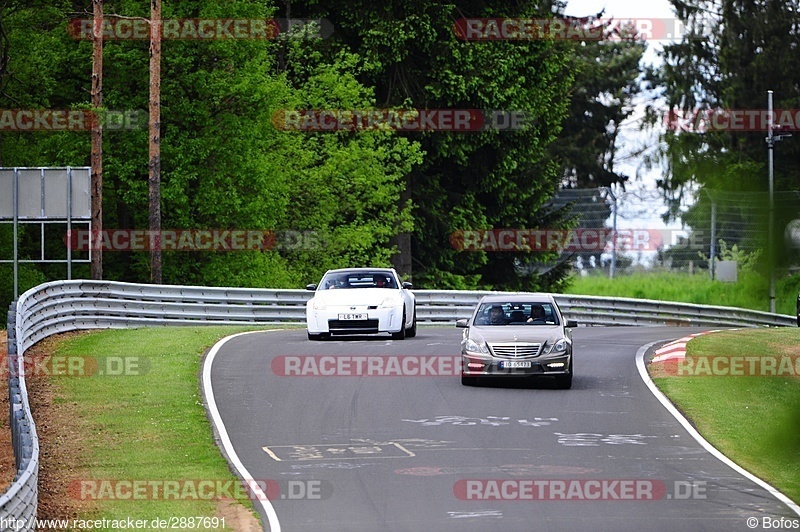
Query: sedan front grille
x=515, y=349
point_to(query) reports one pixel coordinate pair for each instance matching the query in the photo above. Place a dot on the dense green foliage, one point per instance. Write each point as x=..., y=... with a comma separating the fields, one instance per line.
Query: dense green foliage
x=377, y=198
x=224, y=164
x=736, y=52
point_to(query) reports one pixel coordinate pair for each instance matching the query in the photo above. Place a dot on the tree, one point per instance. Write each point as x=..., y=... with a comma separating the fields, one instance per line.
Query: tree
x=414, y=59
x=606, y=84
x=224, y=164
x=729, y=60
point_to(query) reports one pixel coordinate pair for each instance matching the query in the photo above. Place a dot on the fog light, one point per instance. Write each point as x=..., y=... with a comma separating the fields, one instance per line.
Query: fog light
x=474, y=365
x=555, y=365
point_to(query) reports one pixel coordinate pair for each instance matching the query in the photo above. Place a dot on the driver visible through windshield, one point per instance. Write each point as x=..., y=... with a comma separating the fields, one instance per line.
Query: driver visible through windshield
x=358, y=280
x=532, y=313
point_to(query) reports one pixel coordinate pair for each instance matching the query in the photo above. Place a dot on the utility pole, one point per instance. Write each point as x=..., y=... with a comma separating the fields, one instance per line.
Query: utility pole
x=154, y=164
x=771, y=139
x=771, y=145
x=613, y=267
x=97, y=141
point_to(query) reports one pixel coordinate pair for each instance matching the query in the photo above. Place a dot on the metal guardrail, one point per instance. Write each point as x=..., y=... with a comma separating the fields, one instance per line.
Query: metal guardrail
x=62, y=306
x=20, y=501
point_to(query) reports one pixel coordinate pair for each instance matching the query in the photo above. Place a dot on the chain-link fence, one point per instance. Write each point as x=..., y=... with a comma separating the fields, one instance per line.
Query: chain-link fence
x=617, y=231
x=590, y=244
x=735, y=226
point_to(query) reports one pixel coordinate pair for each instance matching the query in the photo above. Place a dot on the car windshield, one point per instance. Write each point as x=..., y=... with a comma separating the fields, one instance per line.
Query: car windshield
x=367, y=279
x=532, y=313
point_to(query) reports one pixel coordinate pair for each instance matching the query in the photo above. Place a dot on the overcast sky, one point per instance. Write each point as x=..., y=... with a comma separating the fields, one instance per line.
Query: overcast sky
x=643, y=208
x=621, y=8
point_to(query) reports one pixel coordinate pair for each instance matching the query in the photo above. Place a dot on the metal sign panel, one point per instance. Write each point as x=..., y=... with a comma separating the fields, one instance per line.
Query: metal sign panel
x=29, y=193
x=6, y=193
x=46, y=193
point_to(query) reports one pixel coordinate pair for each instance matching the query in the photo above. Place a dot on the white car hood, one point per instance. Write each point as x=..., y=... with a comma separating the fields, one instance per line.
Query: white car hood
x=356, y=296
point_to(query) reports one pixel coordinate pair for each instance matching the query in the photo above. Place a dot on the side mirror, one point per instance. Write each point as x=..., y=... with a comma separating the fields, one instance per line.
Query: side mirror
x=572, y=323
x=407, y=285
x=311, y=287
x=462, y=323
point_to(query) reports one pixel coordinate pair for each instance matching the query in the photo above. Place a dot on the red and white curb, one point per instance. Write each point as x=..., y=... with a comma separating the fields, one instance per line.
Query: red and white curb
x=676, y=349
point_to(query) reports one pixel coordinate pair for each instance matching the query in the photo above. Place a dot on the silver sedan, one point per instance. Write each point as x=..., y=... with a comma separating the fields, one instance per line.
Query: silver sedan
x=517, y=335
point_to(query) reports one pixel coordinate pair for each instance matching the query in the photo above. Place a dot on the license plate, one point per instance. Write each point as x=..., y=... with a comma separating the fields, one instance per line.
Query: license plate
x=352, y=316
x=511, y=364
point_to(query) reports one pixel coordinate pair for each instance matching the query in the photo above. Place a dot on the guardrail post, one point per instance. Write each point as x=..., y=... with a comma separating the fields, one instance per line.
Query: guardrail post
x=11, y=336
x=14, y=406
x=12, y=325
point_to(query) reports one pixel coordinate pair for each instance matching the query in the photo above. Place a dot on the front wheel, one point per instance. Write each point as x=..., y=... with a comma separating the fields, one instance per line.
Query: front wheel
x=401, y=334
x=412, y=332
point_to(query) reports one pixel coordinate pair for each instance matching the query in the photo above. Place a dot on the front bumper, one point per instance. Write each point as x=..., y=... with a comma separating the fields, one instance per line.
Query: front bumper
x=474, y=365
x=380, y=320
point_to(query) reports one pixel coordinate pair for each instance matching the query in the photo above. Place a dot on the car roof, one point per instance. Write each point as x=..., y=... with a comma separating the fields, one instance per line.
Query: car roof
x=359, y=270
x=518, y=297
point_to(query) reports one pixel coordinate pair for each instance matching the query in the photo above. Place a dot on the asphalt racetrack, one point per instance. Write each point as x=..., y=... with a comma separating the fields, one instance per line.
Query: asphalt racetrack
x=346, y=439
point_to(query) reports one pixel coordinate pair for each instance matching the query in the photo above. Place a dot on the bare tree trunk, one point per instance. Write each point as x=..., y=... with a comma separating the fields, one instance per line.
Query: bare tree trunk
x=154, y=165
x=97, y=137
x=401, y=261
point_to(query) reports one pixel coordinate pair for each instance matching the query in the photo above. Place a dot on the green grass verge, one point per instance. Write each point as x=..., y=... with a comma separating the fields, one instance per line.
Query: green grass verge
x=151, y=426
x=754, y=420
x=751, y=291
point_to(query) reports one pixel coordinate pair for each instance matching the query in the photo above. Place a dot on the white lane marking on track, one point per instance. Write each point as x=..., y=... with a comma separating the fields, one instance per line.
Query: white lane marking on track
x=494, y=421
x=696, y=435
x=332, y=451
x=208, y=392
x=586, y=439
x=271, y=454
x=479, y=513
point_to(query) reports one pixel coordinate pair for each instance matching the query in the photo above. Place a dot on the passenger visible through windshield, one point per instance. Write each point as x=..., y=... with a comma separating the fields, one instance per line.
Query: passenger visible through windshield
x=358, y=280
x=532, y=313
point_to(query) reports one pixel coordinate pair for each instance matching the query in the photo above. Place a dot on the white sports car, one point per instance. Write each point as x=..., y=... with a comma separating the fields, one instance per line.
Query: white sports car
x=361, y=301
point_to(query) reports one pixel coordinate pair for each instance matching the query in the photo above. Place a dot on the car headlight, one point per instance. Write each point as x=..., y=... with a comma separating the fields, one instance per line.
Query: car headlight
x=390, y=302
x=319, y=305
x=472, y=346
x=560, y=346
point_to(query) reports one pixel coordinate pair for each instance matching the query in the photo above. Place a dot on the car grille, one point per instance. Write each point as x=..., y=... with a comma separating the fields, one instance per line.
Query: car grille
x=344, y=326
x=515, y=349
